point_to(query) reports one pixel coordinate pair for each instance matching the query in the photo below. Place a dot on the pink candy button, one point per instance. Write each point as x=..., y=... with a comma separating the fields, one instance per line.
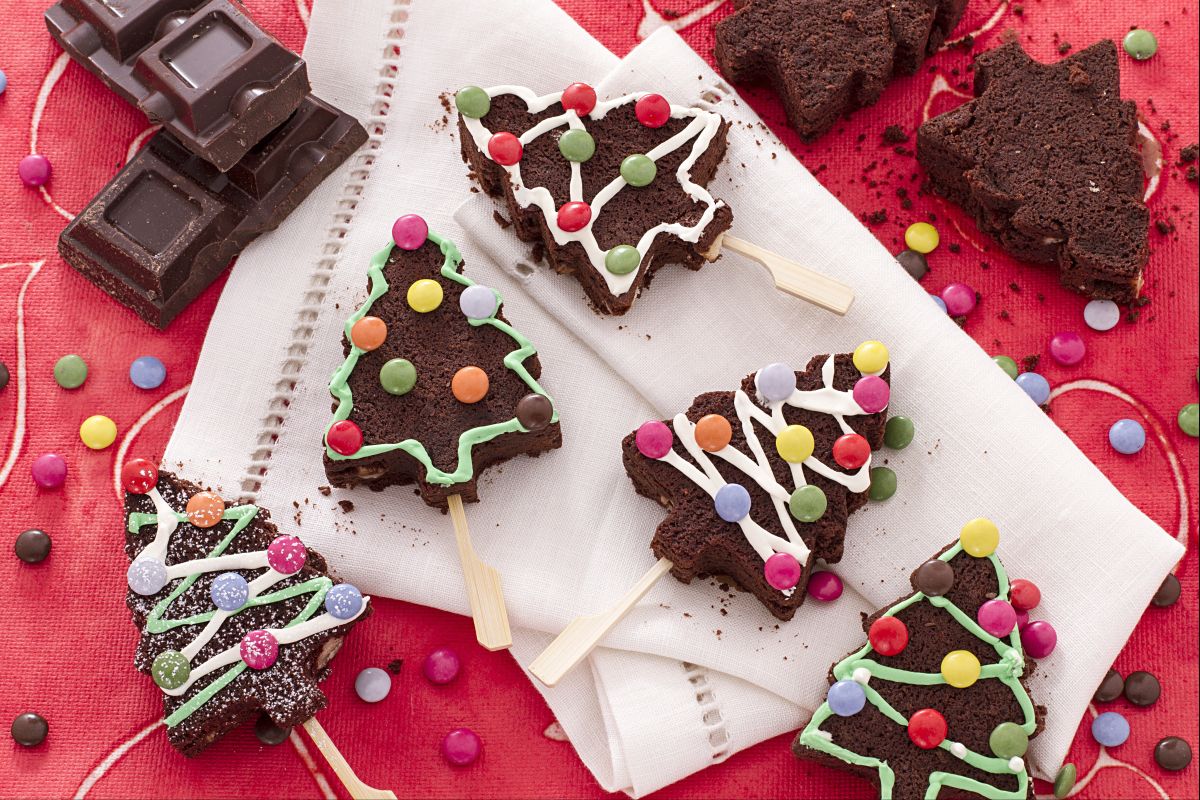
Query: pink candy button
x=872, y=394
x=997, y=617
x=959, y=299
x=259, y=649
x=782, y=571
x=825, y=586
x=654, y=439
x=410, y=232
x=1067, y=348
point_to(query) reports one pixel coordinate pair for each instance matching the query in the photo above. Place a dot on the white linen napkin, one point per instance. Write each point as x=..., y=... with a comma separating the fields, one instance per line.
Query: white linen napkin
x=694, y=673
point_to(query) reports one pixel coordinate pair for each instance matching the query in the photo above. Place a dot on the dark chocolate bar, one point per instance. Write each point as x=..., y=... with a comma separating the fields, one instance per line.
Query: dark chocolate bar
x=204, y=70
x=166, y=226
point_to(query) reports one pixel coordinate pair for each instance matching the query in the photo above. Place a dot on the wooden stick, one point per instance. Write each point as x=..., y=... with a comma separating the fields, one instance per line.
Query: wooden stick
x=789, y=276
x=483, y=586
x=584, y=633
x=357, y=789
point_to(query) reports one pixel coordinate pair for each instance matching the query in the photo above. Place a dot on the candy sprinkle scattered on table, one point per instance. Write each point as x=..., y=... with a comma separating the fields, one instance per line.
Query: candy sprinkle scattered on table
x=3, y=375
x=1140, y=44
x=49, y=471
x=98, y=432
x=32, y=546
x=1110, y=729
x=373, y=684
x=825, y=586
x=1064, y=781
x=883, y=483
x=1142, y=688
x=898, y=432
x=30, y=729
x=461, y=747
x=1110, y=688
x=70, y=371
x=1036, y=386
x=914, y=263
x=1189, y=418
x=1067, y=348
x=940, y=303
x=959, y=298
x=147, y=372
x=1173, y=753
x=441, y=666
x=921, y=237
x=1168, y=592
x=1101, y=315
x=1007, y=364
x=1127, y=436
x=34, y=170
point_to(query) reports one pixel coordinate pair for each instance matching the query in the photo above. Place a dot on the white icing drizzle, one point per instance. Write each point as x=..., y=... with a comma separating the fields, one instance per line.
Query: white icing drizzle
x=958, y=749
x=702, y=128
x=826, y=400
x=861, y=675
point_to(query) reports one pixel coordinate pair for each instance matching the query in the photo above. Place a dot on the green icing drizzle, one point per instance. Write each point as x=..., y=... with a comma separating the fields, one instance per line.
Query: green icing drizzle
x=514, y=361
x=157, y=622
x=1008, y=671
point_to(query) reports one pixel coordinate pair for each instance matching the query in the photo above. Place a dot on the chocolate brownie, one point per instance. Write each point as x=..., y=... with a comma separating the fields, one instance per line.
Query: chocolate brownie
x=437, y=385
x=826, y=59
x=893, y=717
x=281, y=613
x=611, y=190
x=793, y=448
x=1046, y=160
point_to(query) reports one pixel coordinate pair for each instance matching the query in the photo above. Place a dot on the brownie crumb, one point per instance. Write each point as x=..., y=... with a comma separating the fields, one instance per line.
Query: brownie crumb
x=346, y=505
x=395, y=666
x=324, y=490
x=1031, y=362
x=894, y=134
x=1189, y=154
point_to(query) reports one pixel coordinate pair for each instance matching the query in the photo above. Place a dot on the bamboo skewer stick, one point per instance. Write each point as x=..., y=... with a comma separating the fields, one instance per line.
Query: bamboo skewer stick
x=357, y=789
x=790, y=277
x=584, y=633
x=484, y=592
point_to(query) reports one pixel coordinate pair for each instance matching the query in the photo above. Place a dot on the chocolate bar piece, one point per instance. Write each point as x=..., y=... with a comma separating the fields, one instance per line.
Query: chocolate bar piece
x=204, y=70
x=166, y=226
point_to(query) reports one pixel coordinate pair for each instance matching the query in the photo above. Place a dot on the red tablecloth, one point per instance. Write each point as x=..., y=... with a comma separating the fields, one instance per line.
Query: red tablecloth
x=66, y=644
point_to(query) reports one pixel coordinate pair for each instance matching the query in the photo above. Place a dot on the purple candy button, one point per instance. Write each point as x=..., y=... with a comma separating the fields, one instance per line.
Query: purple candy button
x=825, y=586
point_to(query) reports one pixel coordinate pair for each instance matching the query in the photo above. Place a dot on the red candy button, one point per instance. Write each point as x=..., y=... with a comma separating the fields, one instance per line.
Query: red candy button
x=851, y=451
x=888, y=636
x=345, y=437
x=505, y=148
x=1024, y=595
x=653, y=110
x=927, y=728
x=580, y=98
x=574, y=216
x=139, y=476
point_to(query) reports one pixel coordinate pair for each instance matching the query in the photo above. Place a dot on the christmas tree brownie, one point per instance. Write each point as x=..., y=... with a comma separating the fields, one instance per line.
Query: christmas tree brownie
x=436, y=385
x=235, y=619
x=611, y=190
x=826, y=59
x=936, y=700
x=1046, y=159
x=764, y=478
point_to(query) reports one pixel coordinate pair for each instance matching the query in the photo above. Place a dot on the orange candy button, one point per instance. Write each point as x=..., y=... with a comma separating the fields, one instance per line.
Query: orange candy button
x=713, y=432
x=368, y=333
x=204, y=509
x=469, y=384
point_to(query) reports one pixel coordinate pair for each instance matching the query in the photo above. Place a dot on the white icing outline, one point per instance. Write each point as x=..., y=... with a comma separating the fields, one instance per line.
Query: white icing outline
x=703, y=128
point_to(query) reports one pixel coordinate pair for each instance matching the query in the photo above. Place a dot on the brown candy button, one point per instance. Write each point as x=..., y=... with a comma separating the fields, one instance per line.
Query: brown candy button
x=32, y=546
x=1142, y=688
x=29, y=729
x=934, y=578
x=1167, y=593
x=1110, y=688
x=268, y=732
x=1173, y=753
x=534, y=411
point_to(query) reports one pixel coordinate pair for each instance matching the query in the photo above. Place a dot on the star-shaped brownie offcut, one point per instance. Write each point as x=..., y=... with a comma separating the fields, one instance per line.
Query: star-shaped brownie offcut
x=825, y=58
x=1046, y=159
x=760, y=482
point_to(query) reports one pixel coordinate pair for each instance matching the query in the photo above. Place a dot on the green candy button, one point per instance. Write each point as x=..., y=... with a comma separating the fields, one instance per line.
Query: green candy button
x=638, y=170
x=1008, y=365
x=622, y=259
x=808, y=503
x=883, y=483
x=1064, y=781
x=70, y=371
x=398, y=376
x=898, y=434
x=1140, y=44
x=1008, y=740
x=1189, y=419
x=471, y=101
x=171, y=670
x=577, y=145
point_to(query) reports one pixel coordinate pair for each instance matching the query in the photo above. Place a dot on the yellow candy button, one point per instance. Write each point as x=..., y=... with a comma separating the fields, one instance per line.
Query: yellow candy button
x=794, y=443
x=425, y=295
x=922, y=237
x=960, y=668
x=871, y=357
x=979, y=537
x=98, y=432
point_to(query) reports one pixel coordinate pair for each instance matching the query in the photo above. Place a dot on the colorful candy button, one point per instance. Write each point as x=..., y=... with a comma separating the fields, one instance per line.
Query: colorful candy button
x=883, y=483
x=997, y=617
x=397, y=376
x=732, y=502
x=1064, y=781
x=534, y=411
x=372, y=684
x=921, y=237
x=1024, y=595
x=205, y=509
x=872, y=393
x=795, y=443
x=441, y=666
x=914, y=263
x=960, y=668
x=461, y=747
x=139, y=475
x=259, y=649
x=287, y=554
x=425, y=295
x=927, y=728
x=229, y=591
x=32, y=546
x=979, y=537
x=622, y=259
x=29, y=729
x=652, y=110
x=344, y=438
x=653, y=439
x=1101, y=315
x=782, y=571
x=577, y=145
x=775, y=382
x=1110, y=729
x=49, y=471
x=580, y=98
x=898, y=433
x=808, y=503
x=146, y=576
x=1067, y=348
x=638, y=170
x=574, y=216
x=1142, y=688
x=959, y=298
x=70, y=371
x=505, y=148
x=1189, y=419
x=825, y=586
x=343, y=601
x=1008, y=740
x=1110, y=688
x=369, y=333
x=1036, y=386
x=713, y=433
x=410, y=231
x=171, y=669
x=1168, y=592
x=871, y=357
x=888, y=636
x=469, y=384
x=1172, y=753
x=1008, y=365
x=98, y=432
x=940, y=303
x=1127, y=436
x=3, y=375
x=478, y=302
x=147, y=372
x=3, y=82
x=34, y=170
x=1039, y=638
x=846, y=698
x=473, y=102
x=1140, y=44
x=851, y=451
x=268, y=733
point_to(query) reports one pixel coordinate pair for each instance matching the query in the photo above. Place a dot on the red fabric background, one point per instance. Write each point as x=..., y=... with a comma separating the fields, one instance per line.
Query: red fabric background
x=66, y=644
